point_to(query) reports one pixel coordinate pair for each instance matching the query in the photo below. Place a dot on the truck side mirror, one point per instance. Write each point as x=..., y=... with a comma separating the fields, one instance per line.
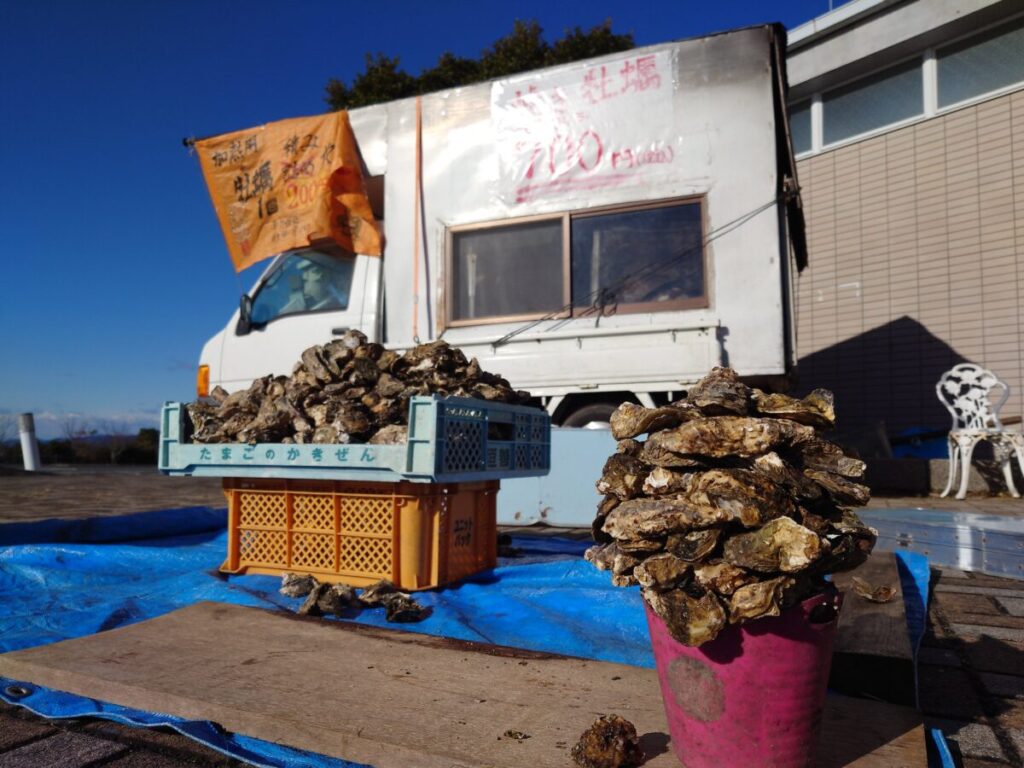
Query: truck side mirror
x=244, y=315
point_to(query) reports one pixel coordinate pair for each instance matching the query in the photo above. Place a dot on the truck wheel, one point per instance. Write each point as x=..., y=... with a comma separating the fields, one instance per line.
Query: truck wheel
x=593, y=416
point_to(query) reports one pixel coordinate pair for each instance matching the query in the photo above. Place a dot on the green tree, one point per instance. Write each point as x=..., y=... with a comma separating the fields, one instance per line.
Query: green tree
x=523, y=49
x=577, y=44
x=382, y=80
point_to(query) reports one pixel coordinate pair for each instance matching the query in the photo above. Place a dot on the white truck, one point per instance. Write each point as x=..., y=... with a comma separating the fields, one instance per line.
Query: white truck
x=595, y=232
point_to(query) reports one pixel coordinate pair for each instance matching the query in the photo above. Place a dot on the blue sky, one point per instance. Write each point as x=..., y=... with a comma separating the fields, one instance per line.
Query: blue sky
x=115, y=270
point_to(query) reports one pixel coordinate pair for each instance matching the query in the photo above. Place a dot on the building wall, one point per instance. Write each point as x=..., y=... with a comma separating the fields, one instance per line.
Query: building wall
x=916, y=241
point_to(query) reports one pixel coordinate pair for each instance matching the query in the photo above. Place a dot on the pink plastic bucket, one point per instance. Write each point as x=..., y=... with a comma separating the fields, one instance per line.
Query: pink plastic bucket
x=754, y=695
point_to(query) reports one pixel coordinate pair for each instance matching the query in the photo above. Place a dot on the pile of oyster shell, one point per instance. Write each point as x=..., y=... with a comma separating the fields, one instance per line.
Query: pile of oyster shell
x=346, y=391
x=733, y=508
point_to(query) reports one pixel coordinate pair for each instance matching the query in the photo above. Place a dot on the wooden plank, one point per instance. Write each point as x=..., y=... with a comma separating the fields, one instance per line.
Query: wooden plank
x=872, y=655
x=394, y=699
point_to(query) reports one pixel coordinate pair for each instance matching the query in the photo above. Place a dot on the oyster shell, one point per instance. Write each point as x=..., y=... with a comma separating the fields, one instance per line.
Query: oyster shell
x=695, y=545
x=662, y=480
x=297, y=584
x=841, y=489
x=374, y=594
x=721, y=577
x=815, y=410
x=656, y=518
x=719, y=393
x=630, y=420
x=690, y=620
x=400, y=607
x=780, y=545
x=722, y=436
x=763, y=598
x=829, y=457
x=611, y=742
x=392, y=434
x=661, y=572
x=746, y=496
x=622, y=476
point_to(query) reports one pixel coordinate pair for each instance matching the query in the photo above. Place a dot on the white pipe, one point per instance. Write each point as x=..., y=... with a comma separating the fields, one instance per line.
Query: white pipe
x=29, y=446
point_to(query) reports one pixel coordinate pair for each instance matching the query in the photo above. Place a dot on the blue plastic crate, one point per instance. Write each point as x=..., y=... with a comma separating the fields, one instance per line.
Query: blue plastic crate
x=451, y=440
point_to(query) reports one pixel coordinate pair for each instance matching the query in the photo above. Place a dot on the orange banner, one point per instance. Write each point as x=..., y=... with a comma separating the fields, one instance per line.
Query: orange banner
x=287, y=184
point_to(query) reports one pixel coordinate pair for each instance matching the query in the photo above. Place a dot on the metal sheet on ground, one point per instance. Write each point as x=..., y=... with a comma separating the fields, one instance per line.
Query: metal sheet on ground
x=394, y=699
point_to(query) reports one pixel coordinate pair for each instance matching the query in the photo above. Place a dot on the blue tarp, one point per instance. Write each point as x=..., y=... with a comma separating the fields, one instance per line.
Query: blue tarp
x=65, y=579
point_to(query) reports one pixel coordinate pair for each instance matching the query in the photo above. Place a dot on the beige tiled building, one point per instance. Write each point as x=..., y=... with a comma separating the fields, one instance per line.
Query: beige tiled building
x=908, y=122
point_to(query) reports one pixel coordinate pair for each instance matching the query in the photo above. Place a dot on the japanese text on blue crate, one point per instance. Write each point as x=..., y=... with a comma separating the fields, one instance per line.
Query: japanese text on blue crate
x=360, y=455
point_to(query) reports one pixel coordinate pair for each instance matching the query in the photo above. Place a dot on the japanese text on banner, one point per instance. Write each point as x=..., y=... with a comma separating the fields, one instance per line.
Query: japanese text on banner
x=288, y=184
x=595, y=127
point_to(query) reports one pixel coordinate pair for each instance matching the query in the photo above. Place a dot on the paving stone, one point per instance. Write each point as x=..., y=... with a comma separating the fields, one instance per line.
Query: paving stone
x=970, y=589
x=988, y=655
x=997, y=620
x=955, y=603
x=15, y=731
x=1011, y=713
x=1017, y=737
x=952, y=573
x=999, y=633
x=146, y=759
x=938, y=656
x=947, y=692
x=65, y=749
x=970, y=762
x=974, y=739
x=1013, y=605
x=1009, y=686
x=159, y=740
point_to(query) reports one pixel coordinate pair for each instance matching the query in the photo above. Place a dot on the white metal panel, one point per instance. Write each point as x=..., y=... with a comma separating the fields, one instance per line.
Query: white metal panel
x=722, y=115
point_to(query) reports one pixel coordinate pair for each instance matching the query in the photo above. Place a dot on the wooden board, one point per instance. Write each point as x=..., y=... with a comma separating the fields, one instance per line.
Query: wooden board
x=396, y=699
x=872, y=655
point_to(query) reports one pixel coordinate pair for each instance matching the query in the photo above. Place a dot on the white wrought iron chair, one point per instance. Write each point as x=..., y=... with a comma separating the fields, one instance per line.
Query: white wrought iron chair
x=965, y=391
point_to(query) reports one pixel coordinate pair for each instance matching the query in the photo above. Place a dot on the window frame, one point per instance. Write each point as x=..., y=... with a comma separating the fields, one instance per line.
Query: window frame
x=981, y=32
x=917, y=58
x=567, y=310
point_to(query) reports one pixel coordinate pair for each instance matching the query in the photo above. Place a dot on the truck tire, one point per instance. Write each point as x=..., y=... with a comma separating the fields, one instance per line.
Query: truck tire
x=593, y=416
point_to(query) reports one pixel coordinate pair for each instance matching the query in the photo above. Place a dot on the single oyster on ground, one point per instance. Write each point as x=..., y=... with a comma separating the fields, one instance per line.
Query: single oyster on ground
x=297, y=584
x=611, y=742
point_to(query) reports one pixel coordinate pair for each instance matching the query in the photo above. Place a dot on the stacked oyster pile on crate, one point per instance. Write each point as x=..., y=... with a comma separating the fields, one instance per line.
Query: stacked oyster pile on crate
x=733, y=508
x=346, y=391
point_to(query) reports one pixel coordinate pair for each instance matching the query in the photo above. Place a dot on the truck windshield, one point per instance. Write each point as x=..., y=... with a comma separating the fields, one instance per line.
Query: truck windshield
x=304, y=281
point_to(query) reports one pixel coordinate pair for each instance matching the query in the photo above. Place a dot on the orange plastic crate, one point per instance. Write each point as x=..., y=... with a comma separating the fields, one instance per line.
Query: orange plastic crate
x=418, y=535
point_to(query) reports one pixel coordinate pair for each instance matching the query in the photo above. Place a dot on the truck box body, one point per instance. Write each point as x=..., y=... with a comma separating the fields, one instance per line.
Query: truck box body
x=576, y=157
